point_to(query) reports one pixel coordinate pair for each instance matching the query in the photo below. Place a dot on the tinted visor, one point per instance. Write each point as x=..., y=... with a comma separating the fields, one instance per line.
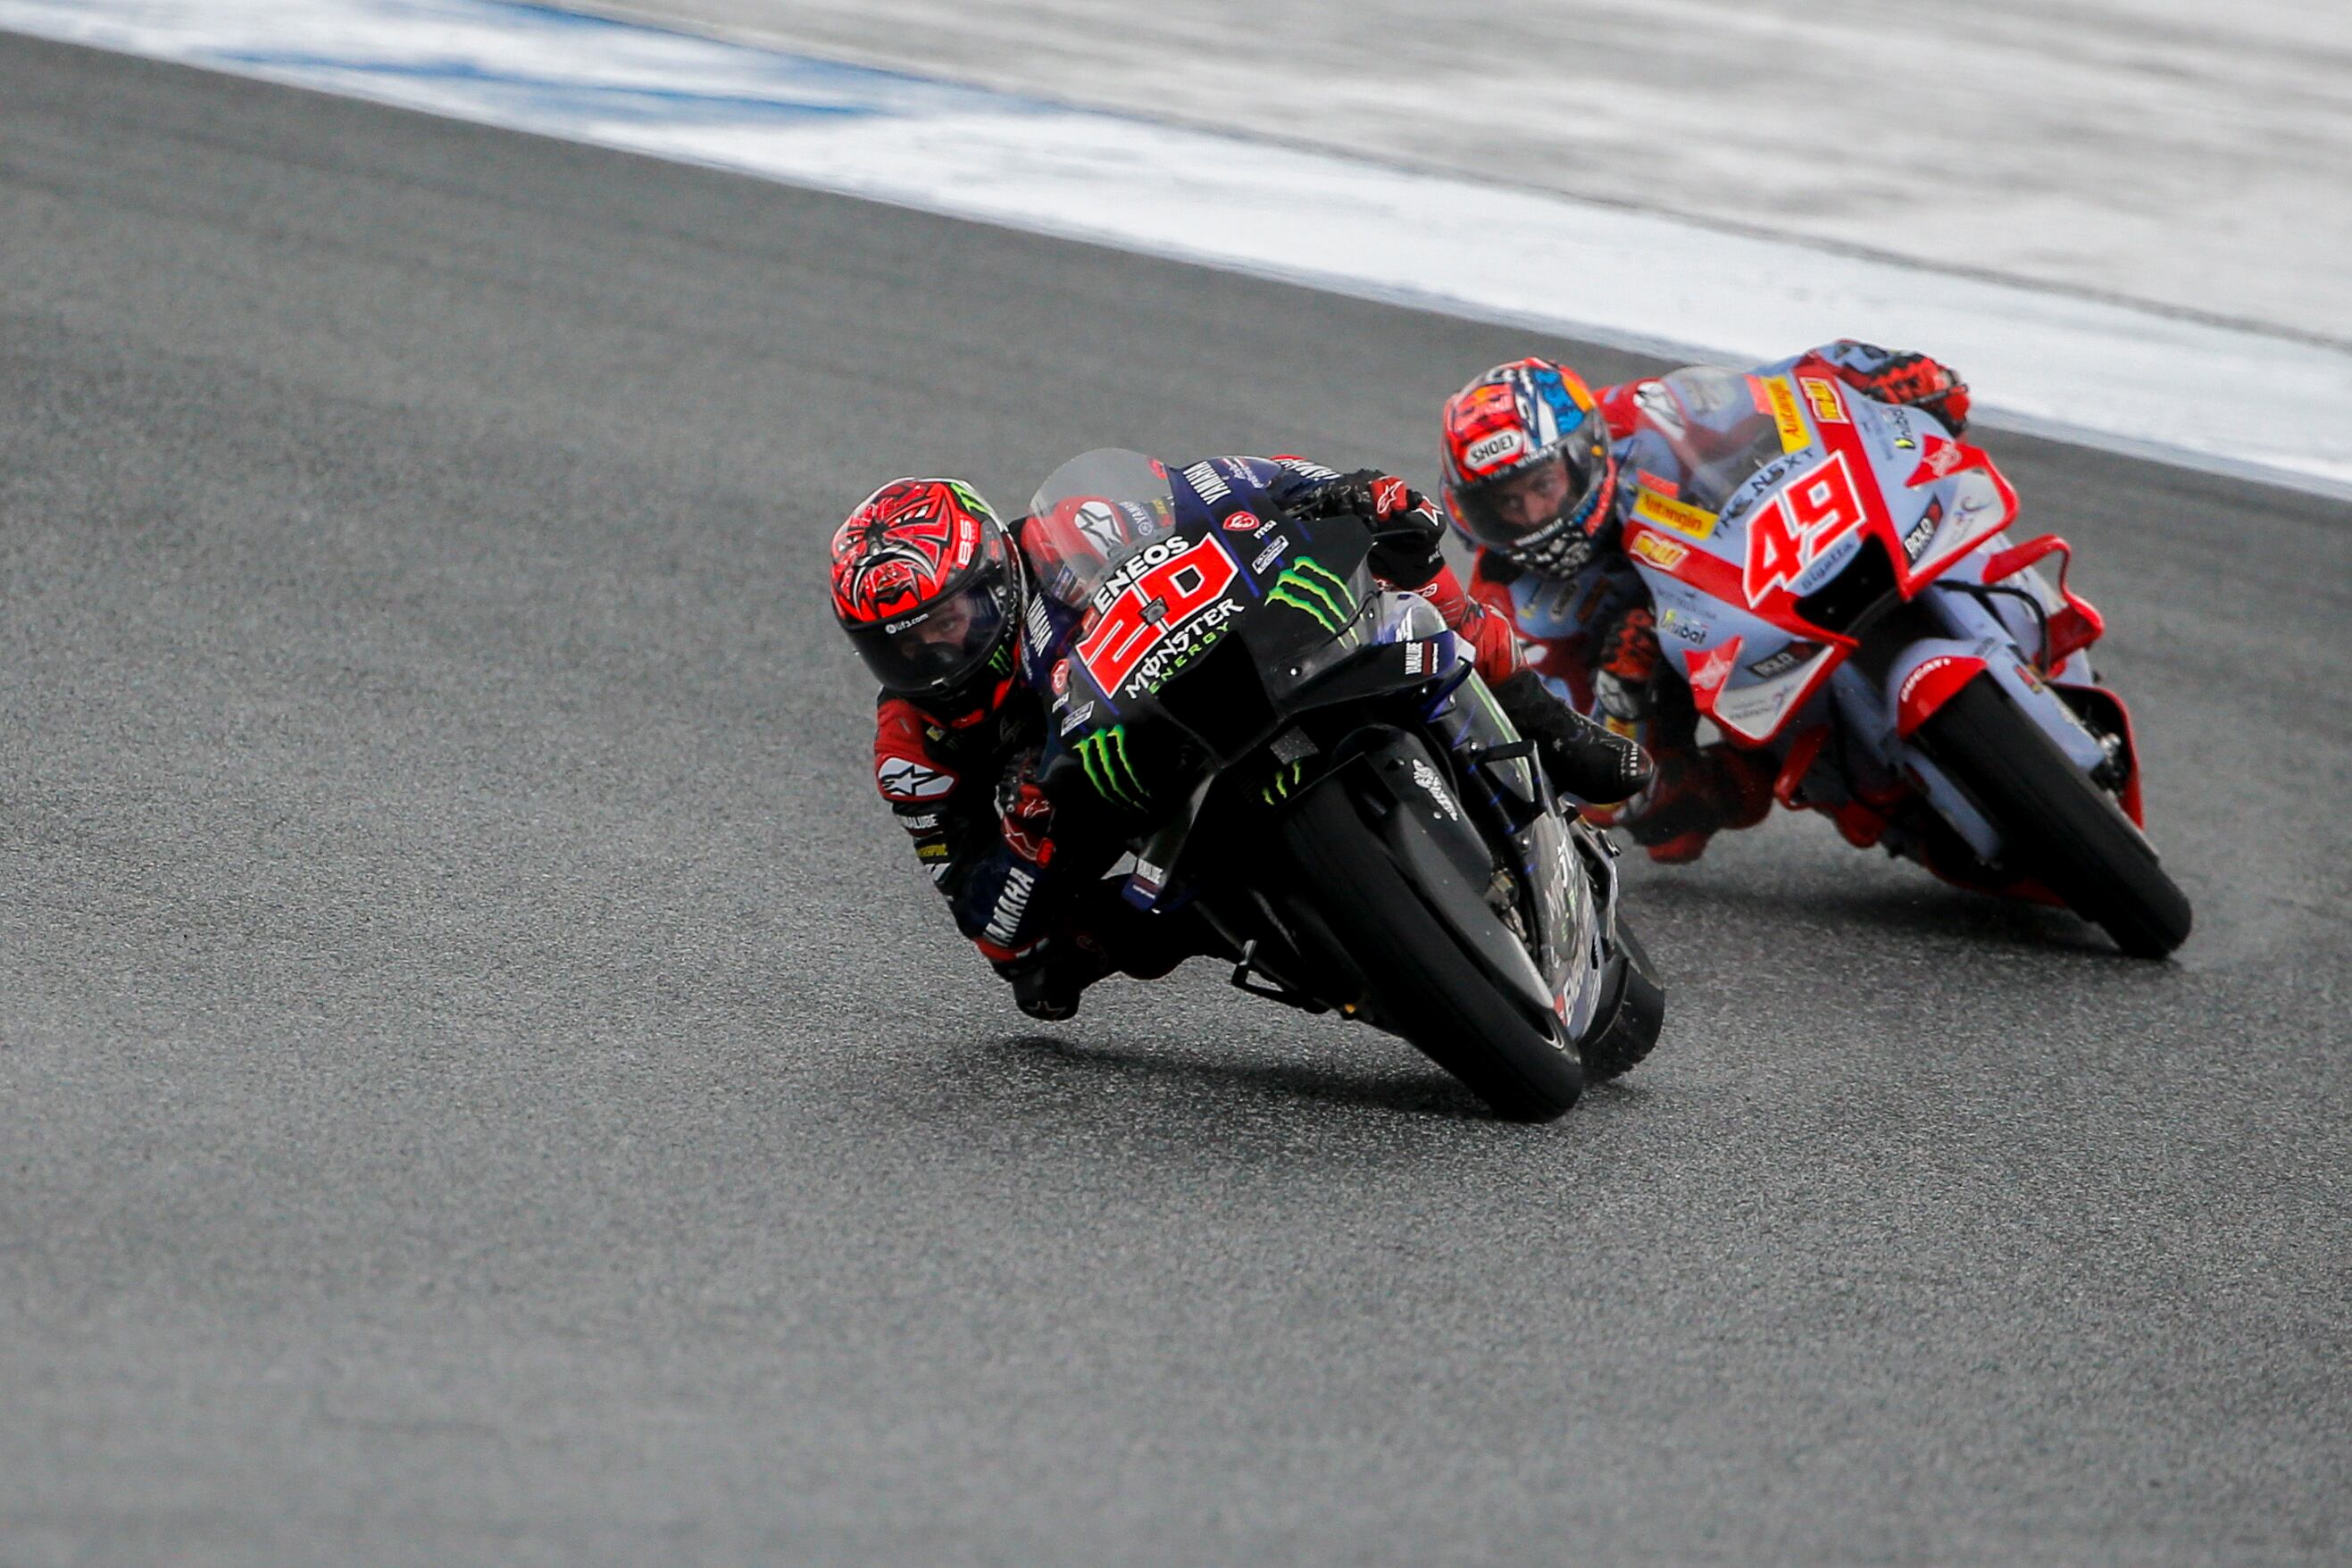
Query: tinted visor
x=1529, y=503
x=949, y=642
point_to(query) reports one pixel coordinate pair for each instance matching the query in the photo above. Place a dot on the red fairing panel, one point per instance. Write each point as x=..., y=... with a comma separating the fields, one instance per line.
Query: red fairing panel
x=1929, y=687
x=2073, y=627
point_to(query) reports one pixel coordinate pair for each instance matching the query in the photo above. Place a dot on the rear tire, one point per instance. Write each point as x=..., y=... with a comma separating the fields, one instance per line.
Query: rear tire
x=2056, y=825
x=1422, y=981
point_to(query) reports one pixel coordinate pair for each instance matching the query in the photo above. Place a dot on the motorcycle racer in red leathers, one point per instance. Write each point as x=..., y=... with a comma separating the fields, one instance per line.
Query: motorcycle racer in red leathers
x=930, y=587
x=1540, y=473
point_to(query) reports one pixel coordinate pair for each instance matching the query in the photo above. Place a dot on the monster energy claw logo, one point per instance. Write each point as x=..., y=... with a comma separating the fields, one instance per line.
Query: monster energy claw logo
x=1305, y=584
x=1285, y=779
x=1104, y=753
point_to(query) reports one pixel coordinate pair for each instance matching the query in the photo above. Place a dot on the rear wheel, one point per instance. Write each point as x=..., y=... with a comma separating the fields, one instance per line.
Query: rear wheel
x=1422, y=980
x=2056, y=825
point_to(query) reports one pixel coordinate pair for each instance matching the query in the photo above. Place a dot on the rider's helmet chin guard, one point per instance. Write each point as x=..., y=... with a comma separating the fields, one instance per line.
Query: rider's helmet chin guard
x=1527, y=463
x=929, y=587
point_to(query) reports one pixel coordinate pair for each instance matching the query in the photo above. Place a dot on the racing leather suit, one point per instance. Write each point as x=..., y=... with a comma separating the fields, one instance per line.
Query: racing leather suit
x=1592, y=634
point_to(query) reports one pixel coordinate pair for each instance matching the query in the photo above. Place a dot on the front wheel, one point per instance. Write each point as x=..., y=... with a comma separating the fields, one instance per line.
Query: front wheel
x=1640, y=1014
x=1421, y=978
x=2056, y=825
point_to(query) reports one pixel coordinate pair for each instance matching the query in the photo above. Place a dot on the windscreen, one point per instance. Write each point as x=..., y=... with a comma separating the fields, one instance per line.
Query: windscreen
x=1091, y=516
x=1726, y=430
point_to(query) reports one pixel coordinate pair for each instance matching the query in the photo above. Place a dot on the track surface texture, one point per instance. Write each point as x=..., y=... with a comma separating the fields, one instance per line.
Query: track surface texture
x=485, y=1082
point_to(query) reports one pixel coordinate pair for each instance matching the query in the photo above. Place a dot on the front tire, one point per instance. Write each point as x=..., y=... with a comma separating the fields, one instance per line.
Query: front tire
x=1640, y=1014
x=2056, y=825
x=1422, y=980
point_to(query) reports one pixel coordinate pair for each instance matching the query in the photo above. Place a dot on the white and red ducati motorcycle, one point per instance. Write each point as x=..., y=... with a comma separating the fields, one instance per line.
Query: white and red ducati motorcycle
x=1838, y=585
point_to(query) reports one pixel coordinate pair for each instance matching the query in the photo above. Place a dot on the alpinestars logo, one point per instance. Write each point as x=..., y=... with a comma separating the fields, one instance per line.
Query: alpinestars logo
x=903, y=778
x=1305, y=584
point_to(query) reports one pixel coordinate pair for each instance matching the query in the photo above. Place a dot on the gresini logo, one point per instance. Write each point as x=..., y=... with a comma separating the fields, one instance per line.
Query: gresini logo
x=1304, y=585
x=1104, y=756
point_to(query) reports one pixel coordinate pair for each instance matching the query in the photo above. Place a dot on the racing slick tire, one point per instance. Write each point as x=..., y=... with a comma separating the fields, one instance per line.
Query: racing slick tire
x=1423, y=981
x=1640, y=1014
x=2056, y=825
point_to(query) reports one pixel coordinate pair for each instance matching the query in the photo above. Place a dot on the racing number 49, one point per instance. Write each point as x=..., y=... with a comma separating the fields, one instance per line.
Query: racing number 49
x=1810, y=515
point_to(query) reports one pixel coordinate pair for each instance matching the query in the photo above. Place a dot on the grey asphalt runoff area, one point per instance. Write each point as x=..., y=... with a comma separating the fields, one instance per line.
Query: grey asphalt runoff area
x=484, y=1081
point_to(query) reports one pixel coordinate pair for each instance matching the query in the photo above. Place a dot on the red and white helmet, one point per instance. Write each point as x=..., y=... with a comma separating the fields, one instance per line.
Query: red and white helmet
x=928, y=585
x=1529, y=464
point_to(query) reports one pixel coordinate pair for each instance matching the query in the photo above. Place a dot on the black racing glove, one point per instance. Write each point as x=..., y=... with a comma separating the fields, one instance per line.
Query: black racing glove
x=1586, y=760
x=1407, y=555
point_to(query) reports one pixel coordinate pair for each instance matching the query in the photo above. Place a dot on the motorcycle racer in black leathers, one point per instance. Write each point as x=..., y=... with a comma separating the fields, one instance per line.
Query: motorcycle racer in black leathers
x=930, y=586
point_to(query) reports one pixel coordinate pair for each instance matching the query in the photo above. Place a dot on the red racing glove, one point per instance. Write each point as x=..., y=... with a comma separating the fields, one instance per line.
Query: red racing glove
x=1912, y=379
x=1026, y=815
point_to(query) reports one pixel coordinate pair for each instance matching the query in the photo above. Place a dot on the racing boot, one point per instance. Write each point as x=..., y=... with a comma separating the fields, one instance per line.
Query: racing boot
x=1049, y=977
x=1698, y=794
x=1583, y=759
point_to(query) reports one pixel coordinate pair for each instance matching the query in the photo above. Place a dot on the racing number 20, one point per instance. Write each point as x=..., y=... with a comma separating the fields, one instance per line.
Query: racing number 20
x=1181, y=587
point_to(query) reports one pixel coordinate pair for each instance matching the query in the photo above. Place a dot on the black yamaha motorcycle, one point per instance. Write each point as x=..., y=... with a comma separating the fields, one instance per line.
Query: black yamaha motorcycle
x=1311, y=763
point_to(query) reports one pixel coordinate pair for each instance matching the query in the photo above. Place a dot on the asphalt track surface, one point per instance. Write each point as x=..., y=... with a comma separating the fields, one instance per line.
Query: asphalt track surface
x=484, y=1081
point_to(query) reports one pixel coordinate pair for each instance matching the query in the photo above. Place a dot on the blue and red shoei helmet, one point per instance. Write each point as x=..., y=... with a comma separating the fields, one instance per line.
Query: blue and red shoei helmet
x=1528, y=462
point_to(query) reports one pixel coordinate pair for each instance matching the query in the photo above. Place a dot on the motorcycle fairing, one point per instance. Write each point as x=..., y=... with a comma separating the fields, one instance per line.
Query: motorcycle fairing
x=1763, y=575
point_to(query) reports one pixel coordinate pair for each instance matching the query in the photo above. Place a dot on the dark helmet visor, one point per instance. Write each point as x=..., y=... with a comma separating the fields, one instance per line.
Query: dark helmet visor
x=951, y=640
